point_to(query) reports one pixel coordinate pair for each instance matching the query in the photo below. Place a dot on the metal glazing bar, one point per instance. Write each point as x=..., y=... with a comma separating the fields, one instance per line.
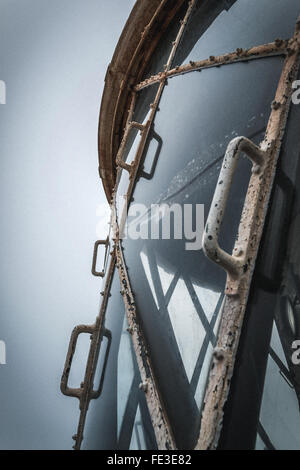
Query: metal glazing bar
x=161, y=426
x=86, y=393
x=145, y=128
x=255, y=209
x=134, y=167
x=127, y=81
x=276, y=48
x=176, y=43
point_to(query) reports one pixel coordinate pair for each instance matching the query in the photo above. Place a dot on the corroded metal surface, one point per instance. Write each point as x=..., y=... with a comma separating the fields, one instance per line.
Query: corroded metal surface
x=95, y=256
x=143, y=31
x=255, y=209
x=145, y=128
x=86, y=392
x=279, y=47
x=236, y=264
x=250, y=227
x=141, y=35
x=161, y=426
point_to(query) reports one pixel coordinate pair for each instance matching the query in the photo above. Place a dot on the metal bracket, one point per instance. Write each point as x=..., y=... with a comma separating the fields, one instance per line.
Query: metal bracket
x=95, y=255
x=233, y=264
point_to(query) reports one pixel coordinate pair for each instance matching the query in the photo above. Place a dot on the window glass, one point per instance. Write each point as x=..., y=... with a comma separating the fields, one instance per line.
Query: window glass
x=179, y=292
x=162, y=52
x=218, y=27
x=119, y=418
x=279, y=415
x=263, y=405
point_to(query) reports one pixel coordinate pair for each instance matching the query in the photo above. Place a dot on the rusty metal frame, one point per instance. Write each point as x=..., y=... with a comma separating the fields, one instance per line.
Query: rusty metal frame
x=86, y=392
x=250, y=231
x=145, y=128
x=140, y=37
x=161, y=426
x=278, y=47
x=239, y=269
x=162, y=429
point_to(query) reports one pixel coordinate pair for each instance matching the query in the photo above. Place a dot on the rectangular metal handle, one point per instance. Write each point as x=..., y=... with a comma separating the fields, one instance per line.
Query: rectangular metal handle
x=79, y=392
x=233, y=264
x=153, y=136
x=95, y=255
x=65, y=389
x=119, y=158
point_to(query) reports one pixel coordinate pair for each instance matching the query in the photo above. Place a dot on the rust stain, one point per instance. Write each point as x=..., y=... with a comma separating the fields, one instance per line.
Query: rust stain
x=119, y=85
x=161, y=426
x=240, y=55
x=250, y=232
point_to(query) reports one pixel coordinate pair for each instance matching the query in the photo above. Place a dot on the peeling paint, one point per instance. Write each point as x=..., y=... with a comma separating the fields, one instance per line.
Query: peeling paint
x=250, y=232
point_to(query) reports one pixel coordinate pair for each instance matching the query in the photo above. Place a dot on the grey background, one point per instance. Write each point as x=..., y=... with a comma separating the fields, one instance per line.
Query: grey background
x=53, y=58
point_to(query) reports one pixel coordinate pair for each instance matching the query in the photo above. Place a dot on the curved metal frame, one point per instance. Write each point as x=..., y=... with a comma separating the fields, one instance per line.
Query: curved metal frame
x=240, y=270
x=239, y=266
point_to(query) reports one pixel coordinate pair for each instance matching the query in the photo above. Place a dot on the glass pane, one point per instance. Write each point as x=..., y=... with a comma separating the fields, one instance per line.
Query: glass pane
x=134, y=426
x=280, y=406
x=220, y=27
x=263, y=405
x=144, y=99
x=119, y=418
x=178, y=291
x=162, y=52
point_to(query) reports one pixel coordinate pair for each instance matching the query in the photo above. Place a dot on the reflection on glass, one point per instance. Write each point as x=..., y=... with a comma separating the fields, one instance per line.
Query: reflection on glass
x=263, y=406
x=114, y=419
x=134, y=426
x=179, y=292
x=125, y=374
x=162, y=52
x=279, y=415
x=138, y=438
x=123, y=176
x=193, y=313
x=220, y=27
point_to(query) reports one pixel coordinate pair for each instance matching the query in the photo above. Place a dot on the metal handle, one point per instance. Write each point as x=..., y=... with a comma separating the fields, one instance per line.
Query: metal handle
x=78, y=392
x=210, y=243
x=65, y=389
x=159, y=141
x=119, y=158
x=96, y=393
x=95, y=255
